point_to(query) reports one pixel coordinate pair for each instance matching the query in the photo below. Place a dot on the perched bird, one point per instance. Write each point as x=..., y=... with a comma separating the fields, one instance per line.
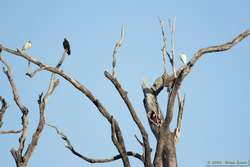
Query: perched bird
x=183, y=58
x=66, y=46
x=27, y=46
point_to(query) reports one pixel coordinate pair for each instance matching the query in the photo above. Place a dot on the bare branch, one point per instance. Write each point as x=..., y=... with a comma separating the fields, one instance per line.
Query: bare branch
x=18, y=154
x=3, y=132
x=69, y=146
x=69, y=78
x=165, y=80
x=173, y=30
x=132, y=111
x=42, y=101
x=174, y=81
x=140, y=142
x=3, y=109
x=187, y=69
x=61, y=60
x=77, y=85
x=181, y=102
x=181, y=74
x=217, y=48
x=118, y=142
x=164, y=48
x=117, y=46
x=23, y=109
x=32, y=74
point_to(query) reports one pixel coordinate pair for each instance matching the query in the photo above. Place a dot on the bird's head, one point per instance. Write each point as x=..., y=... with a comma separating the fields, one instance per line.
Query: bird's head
x=29, y=41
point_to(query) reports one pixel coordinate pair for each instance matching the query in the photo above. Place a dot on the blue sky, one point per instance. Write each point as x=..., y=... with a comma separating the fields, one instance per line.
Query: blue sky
x=216, y=117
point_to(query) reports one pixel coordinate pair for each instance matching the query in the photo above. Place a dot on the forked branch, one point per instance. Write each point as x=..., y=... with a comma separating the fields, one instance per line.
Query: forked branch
x=181, y=74
x=69, y=146
x=42, y=101
x=135, y=118
x=17, y=154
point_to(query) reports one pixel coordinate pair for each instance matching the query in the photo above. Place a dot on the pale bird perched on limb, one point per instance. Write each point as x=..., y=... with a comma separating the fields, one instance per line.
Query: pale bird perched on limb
x=183, y=58
x=66, y=46
x=27, y=46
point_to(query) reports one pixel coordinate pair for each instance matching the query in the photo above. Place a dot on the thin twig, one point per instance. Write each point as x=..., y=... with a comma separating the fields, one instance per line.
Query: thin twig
x=69, y=146
x=164, y=48
x=61, y=60
x=140, y=142
x=117, y=46
x=173, y=30
x=181, y=103
x=10, y=131
x=32, y=74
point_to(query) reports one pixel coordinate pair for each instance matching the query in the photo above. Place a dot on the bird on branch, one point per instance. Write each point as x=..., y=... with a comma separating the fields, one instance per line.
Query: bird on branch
x=183, y=58
x=27, y=46
x=66, y=46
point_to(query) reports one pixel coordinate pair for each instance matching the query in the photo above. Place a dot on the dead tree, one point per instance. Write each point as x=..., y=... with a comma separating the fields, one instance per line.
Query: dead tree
x=165, y=151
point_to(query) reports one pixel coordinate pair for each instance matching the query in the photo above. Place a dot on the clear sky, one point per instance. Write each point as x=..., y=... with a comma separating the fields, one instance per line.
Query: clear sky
x=216, y=117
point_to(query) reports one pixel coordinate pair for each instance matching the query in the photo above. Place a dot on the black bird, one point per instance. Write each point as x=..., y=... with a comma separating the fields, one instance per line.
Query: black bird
x=66, y=46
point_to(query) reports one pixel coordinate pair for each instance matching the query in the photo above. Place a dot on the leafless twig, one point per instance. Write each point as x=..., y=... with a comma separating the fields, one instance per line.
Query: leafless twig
x=164, y=48
x=173, y=30
x=10, y=131
x=181, y=103
x=32, y=74
x=117, y=46
x=90, y=160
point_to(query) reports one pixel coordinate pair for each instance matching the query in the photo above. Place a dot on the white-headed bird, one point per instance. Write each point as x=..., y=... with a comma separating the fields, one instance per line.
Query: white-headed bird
x=183, y=58
x=66, y=46
x=27, y=46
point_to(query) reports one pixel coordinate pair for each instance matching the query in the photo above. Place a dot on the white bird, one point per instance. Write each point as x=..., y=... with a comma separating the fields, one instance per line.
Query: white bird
x=183, y=58
x=27, y=46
